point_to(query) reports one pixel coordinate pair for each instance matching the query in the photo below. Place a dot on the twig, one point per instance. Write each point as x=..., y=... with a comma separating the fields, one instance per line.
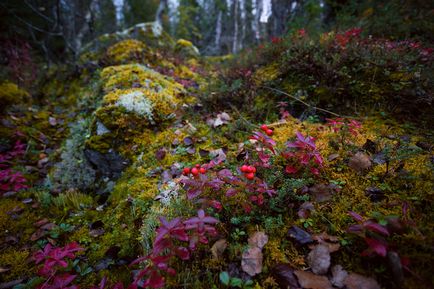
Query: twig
x=305, y=103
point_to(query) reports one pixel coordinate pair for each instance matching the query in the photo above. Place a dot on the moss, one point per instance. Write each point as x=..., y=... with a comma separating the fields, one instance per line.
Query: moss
x=10, y=93
x=126, y=51
x=136, y=75
x=73, y=200
x=186, y=48
x=266, y=73
x=18, y=262
x=100, y=143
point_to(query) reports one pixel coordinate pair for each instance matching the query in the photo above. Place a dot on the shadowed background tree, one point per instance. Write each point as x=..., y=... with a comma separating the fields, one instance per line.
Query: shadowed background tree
x=52, y=31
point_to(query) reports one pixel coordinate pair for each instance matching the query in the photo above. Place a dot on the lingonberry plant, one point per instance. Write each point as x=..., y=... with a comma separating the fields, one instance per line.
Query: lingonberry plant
x=373, y=233
x=56, y=260
x=11, y=180
x=302, y=153
x=168, y=244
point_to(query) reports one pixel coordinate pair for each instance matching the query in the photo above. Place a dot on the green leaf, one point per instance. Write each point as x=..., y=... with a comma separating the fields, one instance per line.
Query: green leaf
x=236, y=282
x=224, y=278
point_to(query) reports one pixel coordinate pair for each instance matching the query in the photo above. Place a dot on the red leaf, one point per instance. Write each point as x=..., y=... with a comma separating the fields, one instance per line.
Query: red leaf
x=374, y=227
x=377, y=246
x=355, y=216
x=290, y=170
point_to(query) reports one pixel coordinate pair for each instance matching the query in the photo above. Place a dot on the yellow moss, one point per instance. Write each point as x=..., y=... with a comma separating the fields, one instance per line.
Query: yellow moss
x=273, y=253
x=184, y=43
x=127, y=50
x=266, y=73
x=186, y=48
x=126, y=76
x=10, y=93
x=18, y=262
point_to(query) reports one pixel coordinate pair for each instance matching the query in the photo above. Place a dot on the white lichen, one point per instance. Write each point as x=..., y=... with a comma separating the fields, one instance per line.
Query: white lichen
x=136, y=102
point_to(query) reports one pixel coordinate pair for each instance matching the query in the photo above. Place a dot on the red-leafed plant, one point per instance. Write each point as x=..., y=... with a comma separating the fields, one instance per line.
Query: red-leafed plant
x=302, y=153
x=55, y=263
x=168, y=244
x=11, y=180
x=373, y=233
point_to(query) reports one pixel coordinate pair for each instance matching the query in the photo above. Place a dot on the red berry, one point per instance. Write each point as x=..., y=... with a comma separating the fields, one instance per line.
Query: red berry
x=250, y=176
x=186, y=171
x=194, y=171
x=197, y=166
x=269, y=132
x=264, y=127
x=202, y=170
x=251, y=169
x=244, y=168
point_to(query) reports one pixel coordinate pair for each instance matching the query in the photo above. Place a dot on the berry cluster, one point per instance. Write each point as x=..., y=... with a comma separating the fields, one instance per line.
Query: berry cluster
x=195, y=171
x=267, y=130
x=249, y=171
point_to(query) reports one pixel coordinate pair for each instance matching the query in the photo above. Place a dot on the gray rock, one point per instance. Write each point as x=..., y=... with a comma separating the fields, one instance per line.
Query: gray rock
x=109, y=164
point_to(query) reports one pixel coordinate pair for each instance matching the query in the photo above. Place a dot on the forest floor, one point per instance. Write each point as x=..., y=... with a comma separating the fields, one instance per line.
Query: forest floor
x=150, y=166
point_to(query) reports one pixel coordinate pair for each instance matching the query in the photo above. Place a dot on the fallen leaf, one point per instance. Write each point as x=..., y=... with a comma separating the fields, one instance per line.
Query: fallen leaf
x=332, y=242
x=360, y=162
x=251, y=261
x=218, y=248
x=357, y=281
x=332, y=157
x=394, y=263
x=284, y=276
x=52, y=121
x=160, y=154
x=301, y=237
x=96, y=232
x=339, y=275
x=41, y=222
x=48, y=226
x=188, y=141
x=37, y=235
x=305, y=209
x=370, y=146
x=319, y=259
x=321, y=192
x=309, y=280
x=258, y=239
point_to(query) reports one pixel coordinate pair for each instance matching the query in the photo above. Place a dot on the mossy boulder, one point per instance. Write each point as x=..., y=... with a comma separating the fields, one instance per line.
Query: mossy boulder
x=139, y=76
x=10, y=93
x=186, y=48
x=150, y=34
x=126, y=51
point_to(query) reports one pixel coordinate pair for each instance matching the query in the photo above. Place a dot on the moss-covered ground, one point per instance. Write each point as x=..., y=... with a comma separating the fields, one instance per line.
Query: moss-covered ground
x=158, y=109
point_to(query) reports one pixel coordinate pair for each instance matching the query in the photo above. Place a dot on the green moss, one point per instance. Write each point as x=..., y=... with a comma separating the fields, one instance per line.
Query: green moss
x=10, y=93
x=17, y=260
x=100, y=143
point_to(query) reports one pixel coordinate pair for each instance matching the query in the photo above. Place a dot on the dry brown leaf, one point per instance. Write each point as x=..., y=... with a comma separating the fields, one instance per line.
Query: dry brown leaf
x=251, y=261
x=258, y=239
x=357, y=281
x=339, y=275
x=309, y=280
x=360, y=162
x=218, y=248
x=332, y=242
x=319, y=259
